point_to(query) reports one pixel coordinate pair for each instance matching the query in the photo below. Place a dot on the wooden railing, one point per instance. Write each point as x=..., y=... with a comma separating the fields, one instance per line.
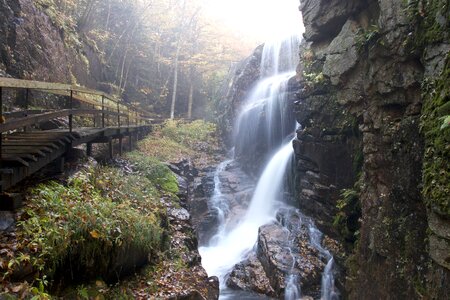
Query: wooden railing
x=102, y=103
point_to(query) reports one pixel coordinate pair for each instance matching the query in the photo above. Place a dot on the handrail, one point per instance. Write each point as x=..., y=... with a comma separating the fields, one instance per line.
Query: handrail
x=38, y=118
x=99, y=99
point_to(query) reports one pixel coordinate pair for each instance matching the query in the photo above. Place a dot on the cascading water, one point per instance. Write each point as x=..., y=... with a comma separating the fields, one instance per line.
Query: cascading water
x=218, y=202
x=264, y=120
x=220, y=256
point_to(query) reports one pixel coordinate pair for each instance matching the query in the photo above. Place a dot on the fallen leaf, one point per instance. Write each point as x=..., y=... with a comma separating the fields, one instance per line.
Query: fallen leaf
x=95, y=234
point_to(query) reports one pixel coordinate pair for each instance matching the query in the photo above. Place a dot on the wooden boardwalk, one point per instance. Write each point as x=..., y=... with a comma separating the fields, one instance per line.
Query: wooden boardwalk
x=25, y=149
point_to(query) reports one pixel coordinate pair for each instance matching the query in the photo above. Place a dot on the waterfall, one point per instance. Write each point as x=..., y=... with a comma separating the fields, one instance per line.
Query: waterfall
x=220, y=256
x=264, y=122
x=328, y=290
x=218, y=202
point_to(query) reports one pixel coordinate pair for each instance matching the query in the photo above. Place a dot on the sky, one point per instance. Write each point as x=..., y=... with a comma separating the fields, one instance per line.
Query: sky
x=259, y=20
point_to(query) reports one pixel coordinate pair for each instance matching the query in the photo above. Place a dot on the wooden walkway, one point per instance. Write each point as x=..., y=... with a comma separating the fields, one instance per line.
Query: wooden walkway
x=25, y=149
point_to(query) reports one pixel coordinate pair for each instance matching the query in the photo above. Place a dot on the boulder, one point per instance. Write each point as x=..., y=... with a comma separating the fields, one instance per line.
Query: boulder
x=342, y=53
x=249, y=275
x=282, y=253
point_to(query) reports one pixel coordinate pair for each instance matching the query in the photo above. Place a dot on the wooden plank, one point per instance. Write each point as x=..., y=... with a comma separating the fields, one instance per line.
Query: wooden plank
x=20, y=151
x=35, y=139
x=22, y=156
x=9, y=159
x=43, y=137
x=29, y=84
x=30, y=143
x=25, y=147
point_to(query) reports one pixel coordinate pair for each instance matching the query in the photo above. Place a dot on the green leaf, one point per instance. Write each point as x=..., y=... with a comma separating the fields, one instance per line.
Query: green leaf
x=446, y=122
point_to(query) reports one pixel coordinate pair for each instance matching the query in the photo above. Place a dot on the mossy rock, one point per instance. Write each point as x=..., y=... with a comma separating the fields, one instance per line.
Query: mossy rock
x=436, y=167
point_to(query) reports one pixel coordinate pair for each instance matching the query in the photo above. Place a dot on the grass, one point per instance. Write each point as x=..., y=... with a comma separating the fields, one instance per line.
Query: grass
x=80, y=226
x=175, y=140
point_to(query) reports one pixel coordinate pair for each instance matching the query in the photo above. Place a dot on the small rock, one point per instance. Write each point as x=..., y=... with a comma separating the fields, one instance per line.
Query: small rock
x=6, y=220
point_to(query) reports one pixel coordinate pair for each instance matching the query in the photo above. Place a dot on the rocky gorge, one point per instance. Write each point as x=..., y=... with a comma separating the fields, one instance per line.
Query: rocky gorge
x=360, y=208
x=371, y=93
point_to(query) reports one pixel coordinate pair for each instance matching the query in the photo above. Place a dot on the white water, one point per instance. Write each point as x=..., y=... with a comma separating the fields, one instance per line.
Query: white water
x=268, y=99
x=218, y=201
x=232, y=247
x=328, y=289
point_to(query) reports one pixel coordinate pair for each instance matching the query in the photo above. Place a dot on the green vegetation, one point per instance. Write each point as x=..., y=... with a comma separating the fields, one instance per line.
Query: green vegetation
x=177, y=140
x=435, y=115
x=346, y=220
x=367, y=38
x=154, y=171
x=83, y=226
x=430, y=18
x=75, y=232
x=432, y=27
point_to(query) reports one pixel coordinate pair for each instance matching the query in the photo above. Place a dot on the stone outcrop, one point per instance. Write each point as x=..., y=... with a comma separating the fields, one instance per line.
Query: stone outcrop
x=237, y=189
x=366, y=67
x=283, y=249
x=249, y=275
x=243, y=77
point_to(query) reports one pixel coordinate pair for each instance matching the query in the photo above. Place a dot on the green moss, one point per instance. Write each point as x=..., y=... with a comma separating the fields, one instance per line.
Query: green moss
x=436, y=167
x=432, y=19
x=155, y=171
x=346, y=220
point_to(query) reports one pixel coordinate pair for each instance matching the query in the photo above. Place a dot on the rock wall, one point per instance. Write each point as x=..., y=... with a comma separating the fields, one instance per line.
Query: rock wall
x=32, y=47
x=367, y=71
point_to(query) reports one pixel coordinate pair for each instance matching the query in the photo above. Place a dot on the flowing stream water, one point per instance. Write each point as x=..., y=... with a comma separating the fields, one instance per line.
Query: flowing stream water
x=264, y=115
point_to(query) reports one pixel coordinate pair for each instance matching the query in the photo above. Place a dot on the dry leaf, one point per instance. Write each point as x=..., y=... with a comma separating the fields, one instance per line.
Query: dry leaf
x=95, y=234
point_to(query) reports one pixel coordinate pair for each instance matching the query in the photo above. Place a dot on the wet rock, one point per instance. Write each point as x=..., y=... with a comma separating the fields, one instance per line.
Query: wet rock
x=249, y=275
x=236, y=190
x=180, y=214
x=6, y=220
x=282, y=253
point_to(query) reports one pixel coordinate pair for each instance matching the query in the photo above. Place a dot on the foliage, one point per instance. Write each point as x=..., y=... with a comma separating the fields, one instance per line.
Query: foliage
x=155, y=171
x=138, y=42
x=189, y=134
x=346, y=220
x=177, y=140
x=368, y=37
x=82, y=225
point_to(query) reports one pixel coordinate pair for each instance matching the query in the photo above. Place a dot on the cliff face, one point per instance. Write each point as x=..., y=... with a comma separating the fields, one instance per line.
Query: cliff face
x=32, y=47
x=371, y=130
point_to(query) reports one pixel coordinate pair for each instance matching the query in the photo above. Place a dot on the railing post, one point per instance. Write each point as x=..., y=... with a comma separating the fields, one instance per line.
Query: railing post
x=95, y=115
x=118, y=114
x=103, y=111
x=27, y=96
x=2, y=120
x=70, y=115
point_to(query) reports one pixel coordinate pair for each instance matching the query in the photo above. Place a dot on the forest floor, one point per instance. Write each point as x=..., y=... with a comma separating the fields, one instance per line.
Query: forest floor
x=112, y=231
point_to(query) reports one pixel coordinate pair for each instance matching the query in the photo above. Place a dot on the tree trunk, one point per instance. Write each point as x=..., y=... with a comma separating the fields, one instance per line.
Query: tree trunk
x=177, y=55
x=175, y=82
x=191, y=93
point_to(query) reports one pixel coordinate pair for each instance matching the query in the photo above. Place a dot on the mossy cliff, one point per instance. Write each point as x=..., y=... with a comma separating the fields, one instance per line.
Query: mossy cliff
x=373, y=157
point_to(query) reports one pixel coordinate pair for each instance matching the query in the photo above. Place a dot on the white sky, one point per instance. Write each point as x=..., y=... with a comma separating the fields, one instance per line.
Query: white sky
x=260, y=20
